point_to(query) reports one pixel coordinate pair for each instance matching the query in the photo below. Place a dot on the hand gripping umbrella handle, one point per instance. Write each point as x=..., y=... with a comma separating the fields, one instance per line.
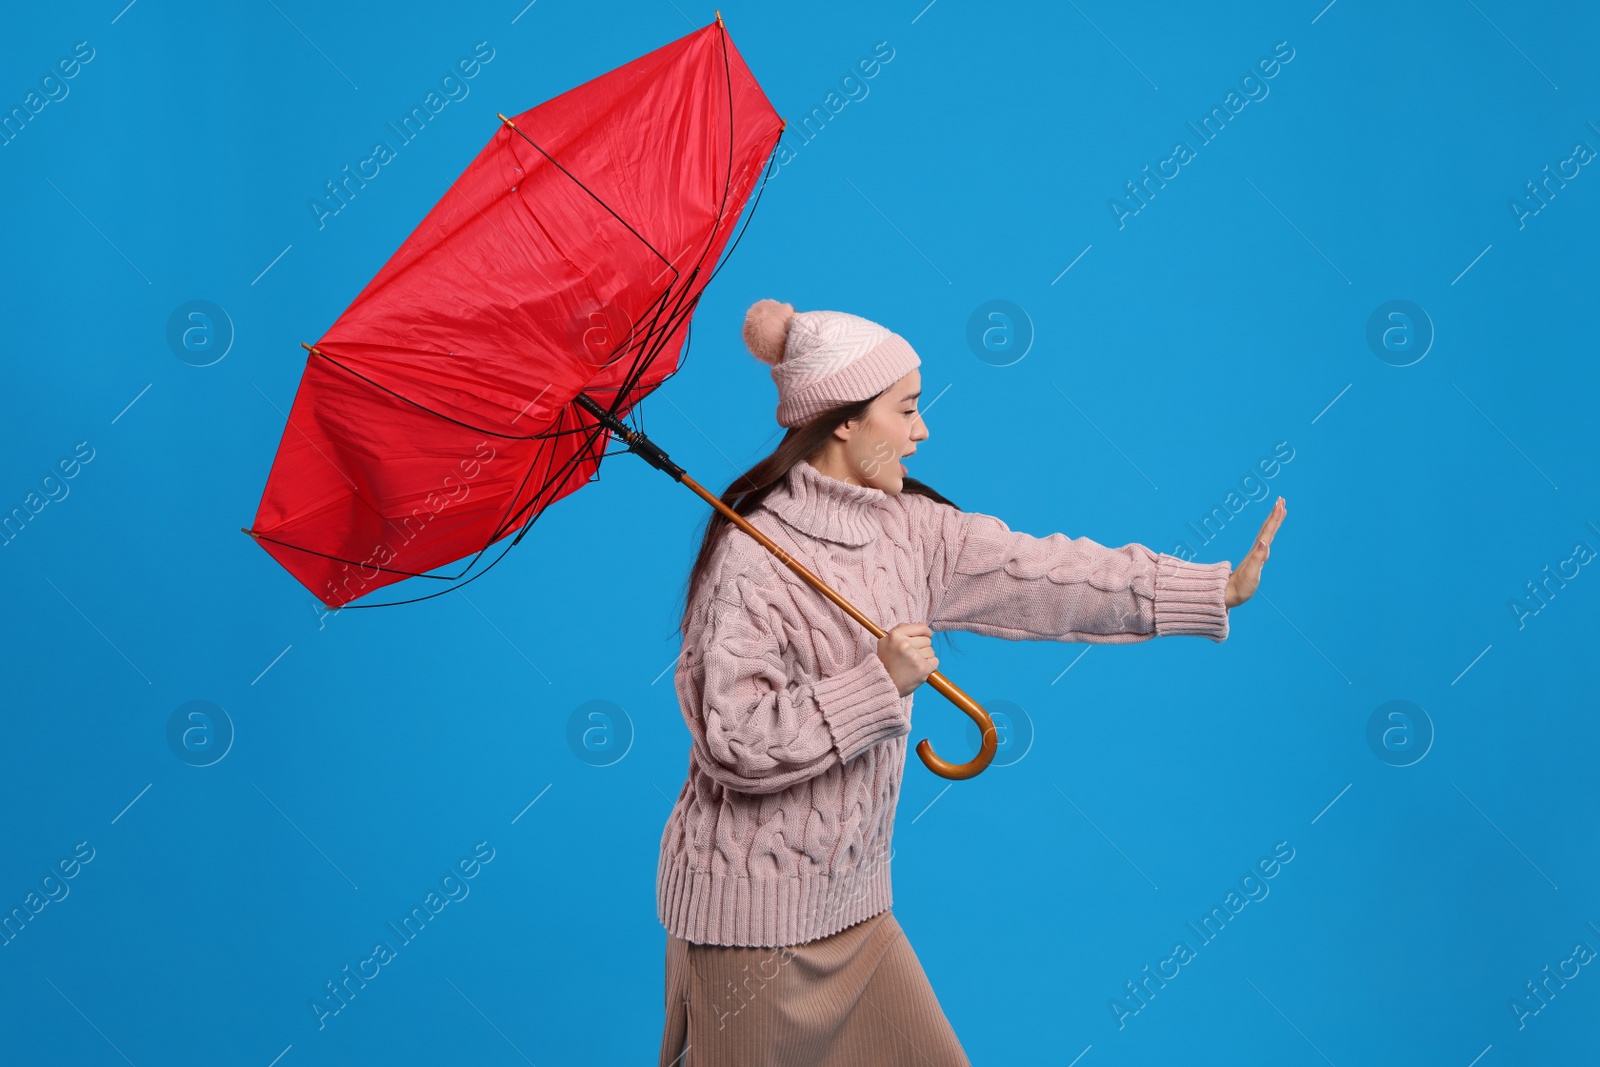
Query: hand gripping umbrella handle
x=943, y=768
x=647, y=450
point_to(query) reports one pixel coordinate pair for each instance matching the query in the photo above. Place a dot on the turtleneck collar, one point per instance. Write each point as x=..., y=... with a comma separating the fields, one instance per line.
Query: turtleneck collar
x=825, y=507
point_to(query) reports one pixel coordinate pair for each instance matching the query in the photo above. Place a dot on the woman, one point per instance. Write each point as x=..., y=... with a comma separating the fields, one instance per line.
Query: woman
x=774, y=872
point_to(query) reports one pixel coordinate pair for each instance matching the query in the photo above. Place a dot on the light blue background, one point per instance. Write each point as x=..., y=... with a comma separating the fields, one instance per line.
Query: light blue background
x=374, y=749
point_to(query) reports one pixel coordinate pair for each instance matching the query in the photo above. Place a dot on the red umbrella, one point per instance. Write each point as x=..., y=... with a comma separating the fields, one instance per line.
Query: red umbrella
x=480, y=374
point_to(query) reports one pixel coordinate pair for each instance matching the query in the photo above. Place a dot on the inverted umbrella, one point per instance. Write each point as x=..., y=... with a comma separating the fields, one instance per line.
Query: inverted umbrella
x=478, y=377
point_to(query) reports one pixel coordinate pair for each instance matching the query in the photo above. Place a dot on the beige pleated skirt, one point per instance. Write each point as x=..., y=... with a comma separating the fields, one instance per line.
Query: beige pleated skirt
x=855, y=997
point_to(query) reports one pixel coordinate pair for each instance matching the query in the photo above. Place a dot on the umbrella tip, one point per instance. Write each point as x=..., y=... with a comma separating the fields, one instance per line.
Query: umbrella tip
x=719, y=16
x=252, y=533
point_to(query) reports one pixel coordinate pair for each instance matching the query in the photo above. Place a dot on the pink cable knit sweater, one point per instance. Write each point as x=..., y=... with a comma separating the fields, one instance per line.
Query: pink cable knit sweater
x=781, y=832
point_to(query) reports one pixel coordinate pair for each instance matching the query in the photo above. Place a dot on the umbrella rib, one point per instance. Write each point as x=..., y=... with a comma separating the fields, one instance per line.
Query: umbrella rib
x=586, y=189
x=341, y=559
x=740, y=235
x=722, y=209
x=686, y=300
x=420, y=574
x=511, y=519
x=314, y=350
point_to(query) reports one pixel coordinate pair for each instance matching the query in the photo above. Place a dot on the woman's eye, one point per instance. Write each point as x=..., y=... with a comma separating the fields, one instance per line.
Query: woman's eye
x=913, y=411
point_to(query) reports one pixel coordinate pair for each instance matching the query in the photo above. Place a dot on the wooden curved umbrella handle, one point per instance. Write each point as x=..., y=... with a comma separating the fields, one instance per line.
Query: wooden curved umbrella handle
x=647, y=450
x=986, y=730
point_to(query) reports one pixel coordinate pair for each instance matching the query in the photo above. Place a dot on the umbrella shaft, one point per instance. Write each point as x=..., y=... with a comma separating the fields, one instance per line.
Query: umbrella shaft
x=637, y=442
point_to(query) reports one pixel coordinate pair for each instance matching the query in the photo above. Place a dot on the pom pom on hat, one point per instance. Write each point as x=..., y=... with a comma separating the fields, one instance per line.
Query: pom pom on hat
x=821, y=359
x=766, y=329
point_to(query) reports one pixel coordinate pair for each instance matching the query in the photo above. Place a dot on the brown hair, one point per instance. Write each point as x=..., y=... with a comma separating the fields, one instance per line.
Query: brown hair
x=750, y=488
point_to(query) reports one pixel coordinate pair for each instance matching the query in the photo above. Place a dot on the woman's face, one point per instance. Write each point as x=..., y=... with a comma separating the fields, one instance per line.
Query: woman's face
x=869, y=450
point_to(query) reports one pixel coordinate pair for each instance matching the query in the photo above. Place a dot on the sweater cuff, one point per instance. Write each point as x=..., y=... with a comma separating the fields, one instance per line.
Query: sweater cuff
x=1190, y=597
x=861, y=707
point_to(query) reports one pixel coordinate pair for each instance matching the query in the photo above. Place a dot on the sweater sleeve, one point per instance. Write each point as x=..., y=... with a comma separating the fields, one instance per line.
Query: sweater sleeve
x=761, y=731
x=1003, y=583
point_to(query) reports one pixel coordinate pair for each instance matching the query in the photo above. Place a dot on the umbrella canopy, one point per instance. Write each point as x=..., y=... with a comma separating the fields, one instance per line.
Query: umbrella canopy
x=440, y=412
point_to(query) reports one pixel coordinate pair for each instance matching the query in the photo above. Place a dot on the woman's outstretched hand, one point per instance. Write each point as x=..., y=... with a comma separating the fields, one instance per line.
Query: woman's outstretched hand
x=1246, y=576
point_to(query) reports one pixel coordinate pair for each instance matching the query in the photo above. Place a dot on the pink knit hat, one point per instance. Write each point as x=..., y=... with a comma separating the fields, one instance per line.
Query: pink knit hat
x=821, y=359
